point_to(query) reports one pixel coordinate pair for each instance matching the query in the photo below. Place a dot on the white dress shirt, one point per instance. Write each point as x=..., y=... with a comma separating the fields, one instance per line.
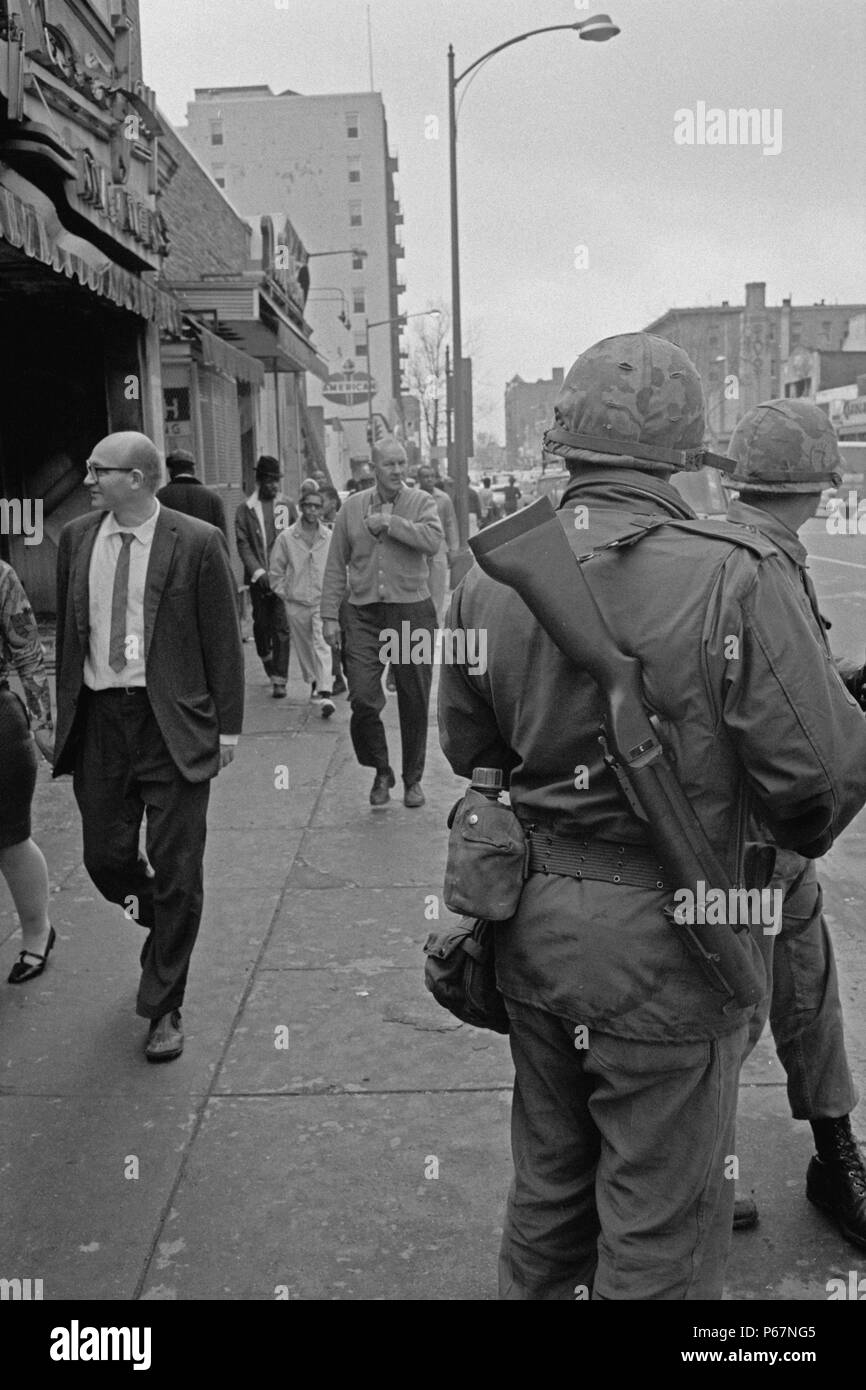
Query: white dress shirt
x=98, y=675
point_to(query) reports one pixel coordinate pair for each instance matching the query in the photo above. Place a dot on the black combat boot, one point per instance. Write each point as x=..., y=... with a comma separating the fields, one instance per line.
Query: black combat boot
x=836, y=1179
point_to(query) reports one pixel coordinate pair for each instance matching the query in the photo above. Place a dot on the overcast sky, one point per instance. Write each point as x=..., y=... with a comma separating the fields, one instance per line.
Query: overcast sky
x=566, y=144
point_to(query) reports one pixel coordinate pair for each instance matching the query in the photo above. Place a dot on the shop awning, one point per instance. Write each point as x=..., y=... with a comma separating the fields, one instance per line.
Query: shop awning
x=224, y=358
x=283, y=350
x=23, y=227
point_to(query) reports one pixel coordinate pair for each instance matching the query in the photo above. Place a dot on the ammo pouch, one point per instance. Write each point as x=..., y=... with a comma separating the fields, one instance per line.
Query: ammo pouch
x=487, y=859
x=460, y=973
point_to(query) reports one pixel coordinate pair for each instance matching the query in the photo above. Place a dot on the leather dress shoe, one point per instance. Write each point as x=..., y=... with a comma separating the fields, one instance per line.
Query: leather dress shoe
x=413, y=795
x=836, y=1184
x=745, y=1214
x=379, y=793
x=165, y=1039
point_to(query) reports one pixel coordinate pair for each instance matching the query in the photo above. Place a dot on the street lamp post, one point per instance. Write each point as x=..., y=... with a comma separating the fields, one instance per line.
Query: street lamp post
x=343, y=251
x=597, y=28
x=379, y=323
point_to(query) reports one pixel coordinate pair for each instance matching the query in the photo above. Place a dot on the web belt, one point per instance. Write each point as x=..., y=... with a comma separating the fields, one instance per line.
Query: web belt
x=606, y=861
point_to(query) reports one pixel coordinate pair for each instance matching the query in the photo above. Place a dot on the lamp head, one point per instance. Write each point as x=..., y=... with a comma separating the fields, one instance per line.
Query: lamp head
x=598, y=28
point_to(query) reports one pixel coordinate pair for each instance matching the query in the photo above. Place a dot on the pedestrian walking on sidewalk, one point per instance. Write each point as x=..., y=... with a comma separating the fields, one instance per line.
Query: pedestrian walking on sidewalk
x=786, y=454
x=296, y=574
x=441, y=562
x=150, y=697
x=22, y=727
x=258, y=522
x=382, y=538
x=187, y=493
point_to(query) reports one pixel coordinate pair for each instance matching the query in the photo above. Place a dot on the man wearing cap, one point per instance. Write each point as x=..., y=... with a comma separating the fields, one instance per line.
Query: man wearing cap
x=258, y=522
x=379, y=548
x=626, y=1053
x=184, y=492
x=786, y=453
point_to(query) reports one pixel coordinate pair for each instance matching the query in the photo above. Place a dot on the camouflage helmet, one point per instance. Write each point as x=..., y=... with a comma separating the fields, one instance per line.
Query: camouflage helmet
x=632, y=401
x=785, y=446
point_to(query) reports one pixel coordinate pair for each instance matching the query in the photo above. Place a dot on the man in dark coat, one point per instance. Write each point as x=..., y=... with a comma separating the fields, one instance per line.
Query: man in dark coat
x=150, y=695
x=258, y=522
x=184, y=492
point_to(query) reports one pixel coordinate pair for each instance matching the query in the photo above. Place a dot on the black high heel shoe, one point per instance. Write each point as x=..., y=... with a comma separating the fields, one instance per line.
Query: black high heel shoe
x=21, y=972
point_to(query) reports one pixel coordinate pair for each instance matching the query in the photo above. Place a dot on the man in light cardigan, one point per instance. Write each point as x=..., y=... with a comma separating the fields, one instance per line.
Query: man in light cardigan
x=382, y=538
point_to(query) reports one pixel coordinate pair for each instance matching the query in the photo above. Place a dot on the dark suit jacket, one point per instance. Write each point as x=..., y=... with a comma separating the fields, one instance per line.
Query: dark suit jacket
x=194, y=664
x=189, y=495
x=250, y=538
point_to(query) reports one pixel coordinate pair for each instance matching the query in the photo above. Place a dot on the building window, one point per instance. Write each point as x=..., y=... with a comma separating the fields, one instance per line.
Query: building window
x=354, y=169
x=353, y=125
x=361, y=348
x=216, y=132
x=359, y=302
x=357, y=262
x=356, y=216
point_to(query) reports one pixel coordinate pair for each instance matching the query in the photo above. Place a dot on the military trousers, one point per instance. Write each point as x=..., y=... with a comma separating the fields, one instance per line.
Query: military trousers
x=804, y=1007
x=622, y=1176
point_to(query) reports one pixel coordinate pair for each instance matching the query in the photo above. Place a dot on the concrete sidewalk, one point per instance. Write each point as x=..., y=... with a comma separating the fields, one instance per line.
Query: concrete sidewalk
x=329, y=1132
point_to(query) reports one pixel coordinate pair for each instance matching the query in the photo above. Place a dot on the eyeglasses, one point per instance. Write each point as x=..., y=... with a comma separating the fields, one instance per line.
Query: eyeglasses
x=97, y=468
x=312, y=506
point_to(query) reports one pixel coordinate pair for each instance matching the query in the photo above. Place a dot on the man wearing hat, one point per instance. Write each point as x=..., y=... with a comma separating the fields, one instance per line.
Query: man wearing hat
x=184, y=492
x=258, y=522
x=786, y=453
x=626, y=1050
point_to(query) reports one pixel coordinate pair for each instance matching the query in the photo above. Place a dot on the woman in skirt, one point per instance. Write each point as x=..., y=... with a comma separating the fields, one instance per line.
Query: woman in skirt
x=21, y=861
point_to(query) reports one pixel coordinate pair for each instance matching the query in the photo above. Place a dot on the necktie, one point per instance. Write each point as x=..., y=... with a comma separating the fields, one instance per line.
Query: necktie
x=119, y=594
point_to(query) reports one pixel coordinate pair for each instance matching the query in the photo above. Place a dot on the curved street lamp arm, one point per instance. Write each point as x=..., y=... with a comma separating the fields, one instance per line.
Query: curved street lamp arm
x=548, y=29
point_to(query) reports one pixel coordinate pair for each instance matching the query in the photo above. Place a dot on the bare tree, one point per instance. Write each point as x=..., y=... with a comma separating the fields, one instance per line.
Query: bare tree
x=425, y=369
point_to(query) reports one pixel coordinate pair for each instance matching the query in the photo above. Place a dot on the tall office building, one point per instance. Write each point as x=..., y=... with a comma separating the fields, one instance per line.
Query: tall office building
x=323, y=161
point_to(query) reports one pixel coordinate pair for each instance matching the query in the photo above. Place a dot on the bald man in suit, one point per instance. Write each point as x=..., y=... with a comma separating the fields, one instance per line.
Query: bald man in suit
x=150, y=691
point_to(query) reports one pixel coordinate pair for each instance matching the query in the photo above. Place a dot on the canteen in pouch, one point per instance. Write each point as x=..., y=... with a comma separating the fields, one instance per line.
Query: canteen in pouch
x=487, y=854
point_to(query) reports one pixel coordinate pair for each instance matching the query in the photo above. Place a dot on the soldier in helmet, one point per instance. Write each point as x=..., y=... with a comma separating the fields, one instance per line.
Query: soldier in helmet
x=626, y=1058
x=786, y=454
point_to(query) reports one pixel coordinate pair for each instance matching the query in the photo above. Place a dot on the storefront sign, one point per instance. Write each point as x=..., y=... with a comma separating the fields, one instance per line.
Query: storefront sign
x=349, y=388
x=123, y=210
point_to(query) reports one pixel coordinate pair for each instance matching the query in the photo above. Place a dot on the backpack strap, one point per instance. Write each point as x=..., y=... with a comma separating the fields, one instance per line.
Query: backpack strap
x=732, y=533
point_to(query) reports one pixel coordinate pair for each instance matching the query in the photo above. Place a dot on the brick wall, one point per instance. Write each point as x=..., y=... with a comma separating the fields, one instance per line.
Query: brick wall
x=207, y=236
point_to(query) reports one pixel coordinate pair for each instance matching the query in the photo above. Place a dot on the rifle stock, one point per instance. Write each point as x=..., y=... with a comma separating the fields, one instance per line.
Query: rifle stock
x=529, y=552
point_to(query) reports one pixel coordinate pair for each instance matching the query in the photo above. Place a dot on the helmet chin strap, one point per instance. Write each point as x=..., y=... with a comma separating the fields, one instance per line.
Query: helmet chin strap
x=681, y=460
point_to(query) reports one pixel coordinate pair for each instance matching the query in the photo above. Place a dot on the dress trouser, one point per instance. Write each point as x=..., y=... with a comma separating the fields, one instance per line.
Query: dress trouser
x=271, y=633
x=122, y=769
x=365, y=625
x=311, y=649
x=804, y=1006
x=620, y=1151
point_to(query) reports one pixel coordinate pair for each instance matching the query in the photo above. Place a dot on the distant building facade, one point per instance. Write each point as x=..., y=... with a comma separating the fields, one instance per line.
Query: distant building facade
x=528, y=412
x=324, y=161
x=744, y=352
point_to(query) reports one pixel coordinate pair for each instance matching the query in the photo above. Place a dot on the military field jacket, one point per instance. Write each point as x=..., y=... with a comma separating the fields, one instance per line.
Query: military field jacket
x=751, y=709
